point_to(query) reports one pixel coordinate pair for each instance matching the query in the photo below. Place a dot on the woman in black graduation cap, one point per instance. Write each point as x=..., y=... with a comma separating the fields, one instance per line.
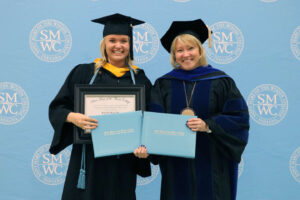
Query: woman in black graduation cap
x=106, y=178
x=221, y=118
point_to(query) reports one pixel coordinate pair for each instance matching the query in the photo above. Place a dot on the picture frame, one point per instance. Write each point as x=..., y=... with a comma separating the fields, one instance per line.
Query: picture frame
x=94, y=100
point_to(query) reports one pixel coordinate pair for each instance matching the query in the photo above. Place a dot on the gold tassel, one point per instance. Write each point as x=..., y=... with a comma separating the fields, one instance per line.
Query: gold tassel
x=209, y=37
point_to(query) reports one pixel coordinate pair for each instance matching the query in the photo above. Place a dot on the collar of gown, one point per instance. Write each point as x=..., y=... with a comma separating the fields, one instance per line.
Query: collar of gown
x=117, y=71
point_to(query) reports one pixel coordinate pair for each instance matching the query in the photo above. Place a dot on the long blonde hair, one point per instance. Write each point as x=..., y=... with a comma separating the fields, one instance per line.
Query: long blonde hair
x=104, y=58
x=191, y=40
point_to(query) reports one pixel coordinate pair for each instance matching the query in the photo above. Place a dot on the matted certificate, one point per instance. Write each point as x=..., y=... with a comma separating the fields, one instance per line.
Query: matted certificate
x=94, y=100
x=102, y=104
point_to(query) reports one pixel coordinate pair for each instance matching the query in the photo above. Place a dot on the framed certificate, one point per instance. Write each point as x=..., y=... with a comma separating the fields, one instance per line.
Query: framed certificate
x=94, y=100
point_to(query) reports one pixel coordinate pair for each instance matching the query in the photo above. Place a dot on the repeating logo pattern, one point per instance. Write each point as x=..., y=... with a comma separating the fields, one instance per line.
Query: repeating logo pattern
x=268, y=104
x=227, y=43
x=146, y=43
x=48, y=168
x=14, y=103
x=295, y=43
x=50, y=40
x=295, y=164
x=154, y=172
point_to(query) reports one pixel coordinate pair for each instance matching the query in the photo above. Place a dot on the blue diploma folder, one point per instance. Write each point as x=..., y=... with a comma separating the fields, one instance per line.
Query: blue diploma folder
x=117, y=133
x=162, y=134
x=167, y=134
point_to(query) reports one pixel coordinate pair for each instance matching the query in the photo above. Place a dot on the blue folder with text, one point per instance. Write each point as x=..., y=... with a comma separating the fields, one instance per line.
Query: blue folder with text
x=167, y=134
x=162, y=134
x=117, y=133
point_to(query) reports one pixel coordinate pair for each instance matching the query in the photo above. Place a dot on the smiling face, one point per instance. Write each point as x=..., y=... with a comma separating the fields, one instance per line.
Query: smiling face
x=117, y=49
x=187, y=52
x=187, y=55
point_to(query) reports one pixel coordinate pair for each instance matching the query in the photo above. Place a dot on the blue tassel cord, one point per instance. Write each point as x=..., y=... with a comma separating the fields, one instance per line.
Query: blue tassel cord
x=81, y=178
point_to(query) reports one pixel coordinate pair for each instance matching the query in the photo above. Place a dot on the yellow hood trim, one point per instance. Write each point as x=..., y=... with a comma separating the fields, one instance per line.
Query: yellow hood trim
x=117, y=71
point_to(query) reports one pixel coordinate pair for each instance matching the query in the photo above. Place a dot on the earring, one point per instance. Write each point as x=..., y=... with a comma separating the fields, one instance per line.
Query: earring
x=177, y=65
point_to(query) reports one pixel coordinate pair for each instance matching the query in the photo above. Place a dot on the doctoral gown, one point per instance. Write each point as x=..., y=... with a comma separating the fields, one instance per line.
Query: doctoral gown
x=107, y=178
x=213, y=174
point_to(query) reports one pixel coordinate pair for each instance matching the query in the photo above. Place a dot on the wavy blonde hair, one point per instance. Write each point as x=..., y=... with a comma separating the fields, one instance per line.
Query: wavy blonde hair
x=190, y=40
x=104, y=58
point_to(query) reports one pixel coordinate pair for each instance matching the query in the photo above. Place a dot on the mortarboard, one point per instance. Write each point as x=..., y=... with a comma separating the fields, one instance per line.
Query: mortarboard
x=120, y=25
x=196, y=28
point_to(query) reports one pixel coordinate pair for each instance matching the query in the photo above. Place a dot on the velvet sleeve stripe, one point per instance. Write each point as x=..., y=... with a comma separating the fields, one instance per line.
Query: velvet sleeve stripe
x=232, y=147
x=234, y=125
x=233, y=105
x=239, y=118
x=239, y=131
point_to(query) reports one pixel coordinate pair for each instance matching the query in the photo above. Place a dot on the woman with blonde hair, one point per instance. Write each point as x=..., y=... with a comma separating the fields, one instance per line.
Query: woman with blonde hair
x=221, y=119
x=110, y=177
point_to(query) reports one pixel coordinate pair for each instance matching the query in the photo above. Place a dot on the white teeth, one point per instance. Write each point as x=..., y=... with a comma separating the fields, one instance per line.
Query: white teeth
x=187, y=60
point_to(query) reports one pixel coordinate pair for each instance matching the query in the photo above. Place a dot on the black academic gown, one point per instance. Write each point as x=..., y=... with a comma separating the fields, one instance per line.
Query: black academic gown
x=212, y=175
x=107, y=178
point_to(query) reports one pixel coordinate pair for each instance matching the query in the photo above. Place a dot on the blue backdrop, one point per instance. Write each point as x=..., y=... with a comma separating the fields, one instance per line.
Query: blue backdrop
x=257, y=42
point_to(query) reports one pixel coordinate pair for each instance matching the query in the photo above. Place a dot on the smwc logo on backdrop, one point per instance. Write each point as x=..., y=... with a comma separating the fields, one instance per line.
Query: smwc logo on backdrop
x=268, y=104
x=146, y=43
x=50, y=40
x=48, y=168
x=14, y=103
x=227, y=43
x=147, y=180
x=295, y=164
x=295, y=43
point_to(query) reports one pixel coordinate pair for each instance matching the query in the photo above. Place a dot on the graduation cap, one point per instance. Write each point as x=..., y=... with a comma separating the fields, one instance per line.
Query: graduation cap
x=197, y=28
x=120, y=25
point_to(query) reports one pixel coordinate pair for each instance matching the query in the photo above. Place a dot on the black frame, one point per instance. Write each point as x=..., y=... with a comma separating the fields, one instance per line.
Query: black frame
x=81, y=90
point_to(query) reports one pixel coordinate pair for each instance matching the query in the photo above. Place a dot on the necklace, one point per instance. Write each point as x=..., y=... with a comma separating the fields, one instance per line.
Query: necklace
x=188, y=110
